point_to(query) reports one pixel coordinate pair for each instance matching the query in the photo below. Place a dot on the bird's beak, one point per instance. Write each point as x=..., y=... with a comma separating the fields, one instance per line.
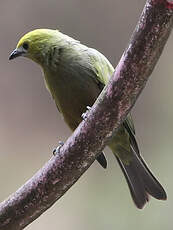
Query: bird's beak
x=17, y=53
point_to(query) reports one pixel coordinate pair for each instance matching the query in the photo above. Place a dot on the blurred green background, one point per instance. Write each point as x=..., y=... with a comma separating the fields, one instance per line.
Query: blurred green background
x=30, y=126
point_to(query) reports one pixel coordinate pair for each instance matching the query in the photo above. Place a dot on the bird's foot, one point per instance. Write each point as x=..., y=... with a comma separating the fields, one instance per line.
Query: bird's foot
x=85, y=115
x=57, y=149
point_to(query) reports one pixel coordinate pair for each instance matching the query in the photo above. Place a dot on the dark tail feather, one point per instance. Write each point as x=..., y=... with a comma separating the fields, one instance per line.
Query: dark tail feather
x=141, y=181
x=102, y=160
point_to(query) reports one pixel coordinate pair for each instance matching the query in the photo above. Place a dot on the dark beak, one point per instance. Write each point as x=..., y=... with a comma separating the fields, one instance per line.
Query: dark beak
x=16, y=53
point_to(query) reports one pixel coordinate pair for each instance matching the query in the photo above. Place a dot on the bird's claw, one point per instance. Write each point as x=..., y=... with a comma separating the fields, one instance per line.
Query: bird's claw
x=85, y=115
x=57, y=149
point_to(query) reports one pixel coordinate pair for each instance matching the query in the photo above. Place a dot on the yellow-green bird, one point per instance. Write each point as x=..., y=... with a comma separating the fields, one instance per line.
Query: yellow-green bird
x=75, y=75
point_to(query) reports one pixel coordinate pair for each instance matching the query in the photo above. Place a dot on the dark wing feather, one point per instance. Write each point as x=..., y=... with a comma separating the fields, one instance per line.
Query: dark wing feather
x=102, y=160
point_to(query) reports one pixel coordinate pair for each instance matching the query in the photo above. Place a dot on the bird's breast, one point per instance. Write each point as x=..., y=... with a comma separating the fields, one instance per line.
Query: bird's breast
x=72, y=94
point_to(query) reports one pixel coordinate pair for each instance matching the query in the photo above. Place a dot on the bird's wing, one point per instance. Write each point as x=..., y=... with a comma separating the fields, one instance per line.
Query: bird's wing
x=103, y=71
x=102, y=68
x=130, y=123
x=129, y=126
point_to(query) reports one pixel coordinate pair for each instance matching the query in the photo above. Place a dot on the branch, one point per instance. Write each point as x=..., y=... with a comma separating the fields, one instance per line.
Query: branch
x=110, y=109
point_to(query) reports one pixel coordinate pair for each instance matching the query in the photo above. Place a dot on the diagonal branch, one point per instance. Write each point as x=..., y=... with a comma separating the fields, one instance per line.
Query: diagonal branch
x=110, y=109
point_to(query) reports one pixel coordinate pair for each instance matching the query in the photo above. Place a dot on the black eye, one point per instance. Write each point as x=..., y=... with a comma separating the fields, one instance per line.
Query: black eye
x=25, y=45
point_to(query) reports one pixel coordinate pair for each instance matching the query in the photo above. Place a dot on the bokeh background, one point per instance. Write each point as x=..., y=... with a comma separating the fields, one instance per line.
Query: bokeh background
x=30, y=126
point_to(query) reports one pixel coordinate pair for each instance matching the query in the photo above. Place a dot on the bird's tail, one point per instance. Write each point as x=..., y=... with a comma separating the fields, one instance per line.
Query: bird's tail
x=141, y=181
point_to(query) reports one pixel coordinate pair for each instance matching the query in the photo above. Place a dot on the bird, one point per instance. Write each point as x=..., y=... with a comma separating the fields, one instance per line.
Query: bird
x=75, y=75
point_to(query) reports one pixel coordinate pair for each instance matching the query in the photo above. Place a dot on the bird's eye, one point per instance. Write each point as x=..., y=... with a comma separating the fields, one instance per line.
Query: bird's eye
x=25, y=45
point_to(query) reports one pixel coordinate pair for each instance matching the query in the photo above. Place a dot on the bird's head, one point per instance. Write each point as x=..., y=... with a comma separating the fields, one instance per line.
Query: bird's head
x=35, y=45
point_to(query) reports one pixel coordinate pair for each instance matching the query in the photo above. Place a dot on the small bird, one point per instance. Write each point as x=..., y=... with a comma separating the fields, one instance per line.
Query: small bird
x=75, y=75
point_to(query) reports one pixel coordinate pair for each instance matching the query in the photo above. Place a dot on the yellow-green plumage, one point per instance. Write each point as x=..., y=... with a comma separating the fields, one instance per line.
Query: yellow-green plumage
x=75, y=75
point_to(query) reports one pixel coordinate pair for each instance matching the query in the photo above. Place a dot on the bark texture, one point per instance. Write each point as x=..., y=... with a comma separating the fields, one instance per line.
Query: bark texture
x=110, y=109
